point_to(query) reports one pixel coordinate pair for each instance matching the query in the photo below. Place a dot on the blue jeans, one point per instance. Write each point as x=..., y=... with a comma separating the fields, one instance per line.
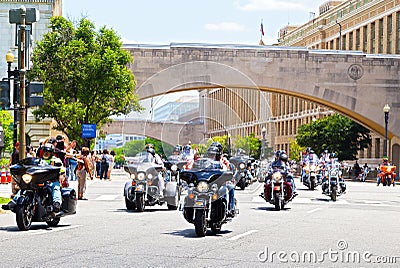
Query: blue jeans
x=103, y=171
x=231, y=193
x=70, y=171
x=291, y=181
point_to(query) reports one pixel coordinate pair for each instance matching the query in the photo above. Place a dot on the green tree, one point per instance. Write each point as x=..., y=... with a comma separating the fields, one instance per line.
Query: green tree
x=85, y=75
x=335, y=133
x=160, y=147
x=295, y=150
x=7, y=124
x=250, y=144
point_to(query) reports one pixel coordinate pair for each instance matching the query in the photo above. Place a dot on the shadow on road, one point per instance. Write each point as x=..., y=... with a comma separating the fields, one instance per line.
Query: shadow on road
x=271, y=208
x=191, y=233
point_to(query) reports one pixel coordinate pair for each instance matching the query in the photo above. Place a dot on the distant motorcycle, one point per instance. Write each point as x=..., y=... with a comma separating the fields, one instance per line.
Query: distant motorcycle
x=35, y=203
x=143, y=189
x=277, y=190
x=364, y=174
x=207, y=202
x=311, y=177
x=387, y=175
x=333, y=185
x=242, y=175
x=262, y=171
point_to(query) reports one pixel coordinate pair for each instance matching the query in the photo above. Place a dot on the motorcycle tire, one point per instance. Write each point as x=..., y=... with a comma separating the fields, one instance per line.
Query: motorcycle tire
x=139, y=202
x=312, y=185
x=242, y=185
x=53, y=223
x=200, y=224
x=129, y=204
x=277, y=201
x=177, y=198
x=216, y=228
x=24, y=215
x=334, y=194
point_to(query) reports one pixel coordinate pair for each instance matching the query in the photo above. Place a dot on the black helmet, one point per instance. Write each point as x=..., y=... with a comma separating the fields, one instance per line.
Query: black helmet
x=332, y=155
x=283, y=157
x=177, y=148
x=278, y=153
x=48, y=147
x=216, y=144
x=308, y=149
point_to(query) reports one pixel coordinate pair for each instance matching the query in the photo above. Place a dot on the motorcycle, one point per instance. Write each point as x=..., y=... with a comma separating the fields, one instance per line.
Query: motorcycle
x=143, y=189
x=33, y=176
x=207, y=202
x=262, y=171
x=277, y=190
x=241, y=175
x=333, y=186
x=311, y=176
x=387, y=175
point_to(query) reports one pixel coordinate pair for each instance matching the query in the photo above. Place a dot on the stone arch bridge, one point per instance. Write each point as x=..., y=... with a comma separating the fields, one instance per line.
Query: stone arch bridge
x=352, y=83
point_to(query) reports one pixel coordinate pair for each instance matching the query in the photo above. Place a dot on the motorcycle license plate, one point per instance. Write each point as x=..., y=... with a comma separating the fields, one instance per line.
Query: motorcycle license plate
x=200, y=203
x=277, y=188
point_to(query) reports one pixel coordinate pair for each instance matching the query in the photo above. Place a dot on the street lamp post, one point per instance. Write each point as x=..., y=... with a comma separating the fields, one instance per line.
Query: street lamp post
x=14, y=74
x=263, y=141
x=340, y=35
x=229, y=145
x=386, y=110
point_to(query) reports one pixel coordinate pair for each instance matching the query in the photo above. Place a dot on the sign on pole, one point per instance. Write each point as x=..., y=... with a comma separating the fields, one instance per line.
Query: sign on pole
x=88, y=131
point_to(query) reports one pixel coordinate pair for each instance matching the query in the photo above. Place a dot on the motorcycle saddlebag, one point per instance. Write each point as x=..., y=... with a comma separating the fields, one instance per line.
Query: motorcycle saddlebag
x=68, y=200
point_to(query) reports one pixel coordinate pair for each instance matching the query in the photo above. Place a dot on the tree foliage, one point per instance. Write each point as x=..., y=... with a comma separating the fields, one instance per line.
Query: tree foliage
x=85, y=76
x=7, y=124
x=295, y=150
x=250, y=144
x=335, y=133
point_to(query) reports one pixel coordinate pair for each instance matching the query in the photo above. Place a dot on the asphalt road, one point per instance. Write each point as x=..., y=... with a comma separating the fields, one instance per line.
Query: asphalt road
x=361, y=229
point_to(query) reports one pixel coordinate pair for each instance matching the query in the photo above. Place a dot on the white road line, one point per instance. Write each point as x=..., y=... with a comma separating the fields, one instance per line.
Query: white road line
x=314, y=210
x=236, y=237
x=54, y=229
x=106, y=197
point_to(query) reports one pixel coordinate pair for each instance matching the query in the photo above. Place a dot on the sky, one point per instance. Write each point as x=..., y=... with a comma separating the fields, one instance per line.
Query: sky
x=161, y=22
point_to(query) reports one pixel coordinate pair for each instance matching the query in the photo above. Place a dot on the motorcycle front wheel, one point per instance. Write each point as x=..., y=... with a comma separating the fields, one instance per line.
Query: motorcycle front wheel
x=53, y=223
x=24, y=215
x=139, y=202
x=333, y=194
x=200, y=224
x=277, y=201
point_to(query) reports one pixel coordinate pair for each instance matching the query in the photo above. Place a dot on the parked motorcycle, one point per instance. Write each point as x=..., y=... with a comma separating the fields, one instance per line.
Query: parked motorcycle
x=333, y=186
x=277, y=190
x=35, y=203
x=311, y=177
x=207, y=202
x=387, y=175
x=143, y=189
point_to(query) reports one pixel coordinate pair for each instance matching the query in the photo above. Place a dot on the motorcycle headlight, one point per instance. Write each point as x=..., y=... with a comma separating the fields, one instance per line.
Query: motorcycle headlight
x=141, y=176
x=242, y=165
x=150, y=176
x=202, y=187
x=133, y=176
x=174, y=167
x=214, y=187
x=277, y=176
x=27, y=178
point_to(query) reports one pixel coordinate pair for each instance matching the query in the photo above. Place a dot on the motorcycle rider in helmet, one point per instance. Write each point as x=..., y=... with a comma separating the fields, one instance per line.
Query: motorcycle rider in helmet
x=215, y=152
x=49, y=158
x=309, y=158
x=281, y=162
x=385, y=162
x=330, y=164
x=155, y=158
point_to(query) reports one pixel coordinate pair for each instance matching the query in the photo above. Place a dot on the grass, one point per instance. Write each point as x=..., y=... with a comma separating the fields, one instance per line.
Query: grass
x=4, y=200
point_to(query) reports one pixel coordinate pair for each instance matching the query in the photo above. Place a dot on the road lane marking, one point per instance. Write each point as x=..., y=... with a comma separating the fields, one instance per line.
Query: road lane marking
x=54, y=229
x=236, y=237
x=106, y=197
x=314, y=210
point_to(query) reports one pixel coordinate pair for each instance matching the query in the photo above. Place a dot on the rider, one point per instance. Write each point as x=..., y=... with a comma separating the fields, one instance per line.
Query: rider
x=215, y=152
x=385, y=162
x=281, y=162
x=49, y=158
x=156, y=159
x=332, y=163
x=309, y=158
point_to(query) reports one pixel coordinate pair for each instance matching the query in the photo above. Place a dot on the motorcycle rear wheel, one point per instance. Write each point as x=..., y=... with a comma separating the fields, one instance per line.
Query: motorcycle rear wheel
x=24, y=215
x=200, y=224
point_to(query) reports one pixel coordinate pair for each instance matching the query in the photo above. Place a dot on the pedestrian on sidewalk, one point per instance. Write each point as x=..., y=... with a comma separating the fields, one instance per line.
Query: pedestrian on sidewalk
x=83, y=170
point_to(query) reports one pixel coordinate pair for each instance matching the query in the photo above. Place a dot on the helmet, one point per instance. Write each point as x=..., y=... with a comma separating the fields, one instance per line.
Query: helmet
x=187, y=148
x=240, y=151
x=283, y=157
x=151, y=151
x=311, y=151
x=177, y=148
x=216, y=144
x=48, y=150
x=308, y=149
x=278, y=153
x=385, y=159
x=149, y=145
x=332, y=155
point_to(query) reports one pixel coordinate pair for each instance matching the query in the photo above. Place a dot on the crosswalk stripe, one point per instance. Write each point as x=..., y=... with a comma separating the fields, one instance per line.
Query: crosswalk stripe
x=107, y=197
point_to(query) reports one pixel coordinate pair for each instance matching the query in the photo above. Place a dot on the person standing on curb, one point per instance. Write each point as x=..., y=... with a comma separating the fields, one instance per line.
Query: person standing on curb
x=83, y=169
x=104, y=165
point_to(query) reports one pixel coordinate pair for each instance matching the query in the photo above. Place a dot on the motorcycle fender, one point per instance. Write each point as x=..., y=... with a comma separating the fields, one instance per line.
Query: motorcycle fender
x=171, y=189
x=127, y=188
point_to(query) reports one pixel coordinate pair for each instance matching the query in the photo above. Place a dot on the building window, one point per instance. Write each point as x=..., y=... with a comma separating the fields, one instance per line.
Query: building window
x=373, y=38
x=389, y=34
x=398, y=33
x=377, y=147
x=365, y=39
x=358, y=39
x=344, y=41
x=351, y=41
x=380, y=33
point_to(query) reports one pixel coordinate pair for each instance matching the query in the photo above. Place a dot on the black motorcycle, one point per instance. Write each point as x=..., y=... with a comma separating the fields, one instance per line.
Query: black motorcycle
x=35, y=203
x=143, y=189
x=242, y=165
x=207, y=202
x=333, y=185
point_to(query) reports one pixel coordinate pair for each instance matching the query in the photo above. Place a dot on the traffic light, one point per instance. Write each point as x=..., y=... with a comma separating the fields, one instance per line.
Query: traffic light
x=4, y=94
x=34, y=91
